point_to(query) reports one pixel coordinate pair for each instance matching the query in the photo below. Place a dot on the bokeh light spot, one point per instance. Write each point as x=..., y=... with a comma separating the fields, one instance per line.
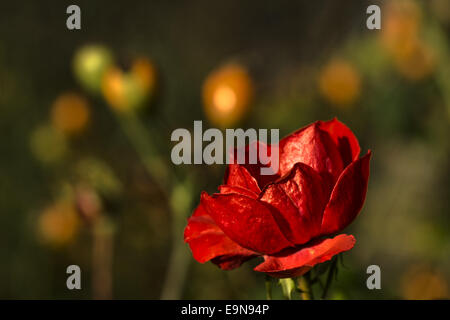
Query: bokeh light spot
x=225, y=99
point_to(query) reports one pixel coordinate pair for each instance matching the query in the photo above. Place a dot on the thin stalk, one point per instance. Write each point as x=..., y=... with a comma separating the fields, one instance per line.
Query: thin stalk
x=268, y=283
x=309, y=285
x=179, y=256
x=142, y=143
x=102, y=259
x=330, y=276
x=305, y=288
x=176, y=272
x=156, y=167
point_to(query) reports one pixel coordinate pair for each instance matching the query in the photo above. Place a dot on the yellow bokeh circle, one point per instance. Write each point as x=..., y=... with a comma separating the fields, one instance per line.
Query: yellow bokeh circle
x=227, y=93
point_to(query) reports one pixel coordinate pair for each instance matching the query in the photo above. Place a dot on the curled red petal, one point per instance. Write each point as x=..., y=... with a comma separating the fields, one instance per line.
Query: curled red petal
x=247, y=221
x=224, y=189
x=258, y=148
x=199, y=223
x=238, y=176
x=344, y=139
x=347, y=197
x=314, y=147
x=208, y=242
x=294, y=263
x=300, y=199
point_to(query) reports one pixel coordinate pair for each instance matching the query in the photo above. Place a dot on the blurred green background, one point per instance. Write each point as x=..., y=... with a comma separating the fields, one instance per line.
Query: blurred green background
x=86, y=118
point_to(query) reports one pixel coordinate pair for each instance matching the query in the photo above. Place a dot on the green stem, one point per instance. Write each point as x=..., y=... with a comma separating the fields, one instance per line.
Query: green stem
x=180, y=203
x=102, y=258
x=330, y=276
x=268, y=288
x=309, y=285
x=305, y=288
x=142, y=143
x=179, y=198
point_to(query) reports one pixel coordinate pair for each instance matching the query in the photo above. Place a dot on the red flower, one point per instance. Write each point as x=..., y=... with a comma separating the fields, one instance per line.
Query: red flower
x=289, y=218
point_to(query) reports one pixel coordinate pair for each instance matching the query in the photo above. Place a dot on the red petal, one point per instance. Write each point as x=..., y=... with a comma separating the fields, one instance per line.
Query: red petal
x=247, y=221
x=314, y=147
x=230, y=189
x=231, y=262
x=344, y=139
x=208, y=242
x=300, y=199
x=347, y=197
x=294, y=264
x=198, y=223
x=238, y=176
x=255, y=169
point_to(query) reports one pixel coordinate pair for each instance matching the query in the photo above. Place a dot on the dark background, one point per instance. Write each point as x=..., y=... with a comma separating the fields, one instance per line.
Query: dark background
x=286, y=46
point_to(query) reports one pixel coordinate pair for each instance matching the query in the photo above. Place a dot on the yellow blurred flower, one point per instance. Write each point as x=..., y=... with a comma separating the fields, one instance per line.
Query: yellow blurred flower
x=58, y=224
x=422, y=283
x=401, y=24
x=145, y=74
x=90, y=63
x=227, y=93
x=128, y=91
x=340, y=83
x=70, y=113
x=400, y=36
x=47, y=144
